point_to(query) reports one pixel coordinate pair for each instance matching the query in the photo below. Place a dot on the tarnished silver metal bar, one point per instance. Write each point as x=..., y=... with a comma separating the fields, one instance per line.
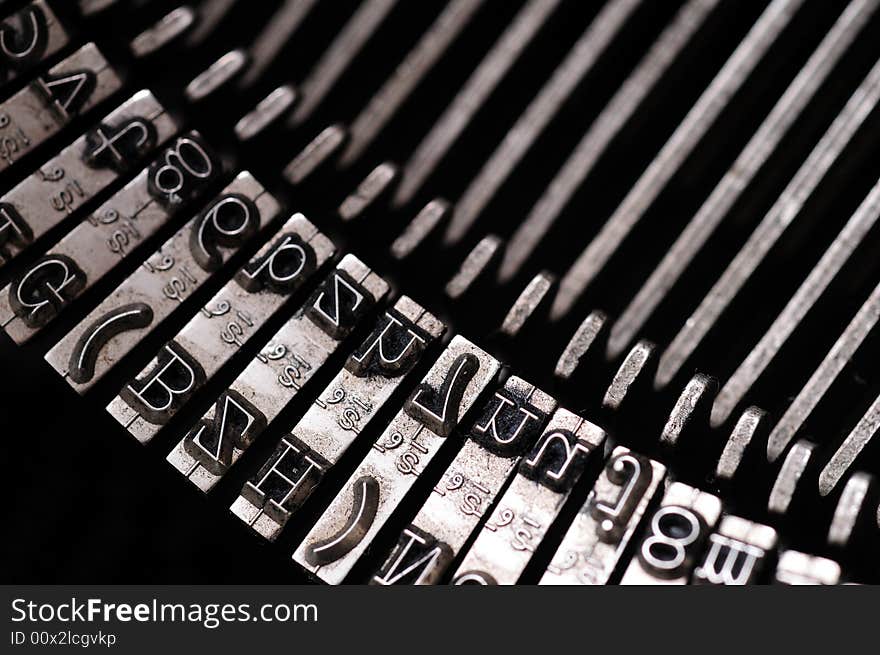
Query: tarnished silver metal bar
x=337, y=418
x=692, y=405
x=742, y=434
x=579, y=344
x=290, y=359
x=36, y=295
x=90, y=7
x=842, y=460
x=593, y=547
x=267, y=111
x=778, y=218
x=687, y=135
x=766, y=139
x=456, y=15
x=183, y=365
x=475, y=92
x=477, y=261
x=211, y=14
x=509, y=424
x=796, y=568
x=619, y=110
x=164, y=282
x=164, y=31
x=789, y=476
x=398, y=457
x=215, y=76
x=425, y=222
x=520, y=138
x=318, y=151
x=737, y=553
x=39, y=111
x=635, y=366
x=534, y=295
x=674, y=538
x=532, y=502
x=368, y=192
x=834, y=258
x=277, y=32
x=850, y=507
x=338, y=57
x=56, y=191
x=825, y=375
x=29, y=37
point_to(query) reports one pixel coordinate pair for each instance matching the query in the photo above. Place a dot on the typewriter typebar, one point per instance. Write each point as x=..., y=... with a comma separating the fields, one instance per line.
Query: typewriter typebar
x=796, y=568
x=509, y=424
x=38, y=112
x=460, y=292
x=737, y=553
x=429, y=419
x=287, y=478
x=260, y=288
x=532, y=502
x=288, y=361
x=592, y=549
x=29, y=37
x=57, y=190
x=165, y=281
x=676, y=532
x=94, y=247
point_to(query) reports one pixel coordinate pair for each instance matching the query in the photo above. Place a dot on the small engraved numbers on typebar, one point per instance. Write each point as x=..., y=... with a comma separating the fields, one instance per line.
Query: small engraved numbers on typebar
x=220, y=328
x=532, y=502
x=91, y=250
x=508, y=425
x=341, y=411
x=164, y=282
x=57, y=190
x=590, y=552
x=397, y=459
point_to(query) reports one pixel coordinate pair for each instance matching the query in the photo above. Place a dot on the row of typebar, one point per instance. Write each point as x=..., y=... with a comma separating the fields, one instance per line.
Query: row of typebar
x=518, y=456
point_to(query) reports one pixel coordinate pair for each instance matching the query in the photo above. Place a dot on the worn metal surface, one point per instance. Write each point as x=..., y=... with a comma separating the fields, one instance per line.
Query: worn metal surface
x=94, y=247
x=56, y=191
x=592, y=548
x=164, y=282
x=261, y=288
x=530, y=505
x=398, y=458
